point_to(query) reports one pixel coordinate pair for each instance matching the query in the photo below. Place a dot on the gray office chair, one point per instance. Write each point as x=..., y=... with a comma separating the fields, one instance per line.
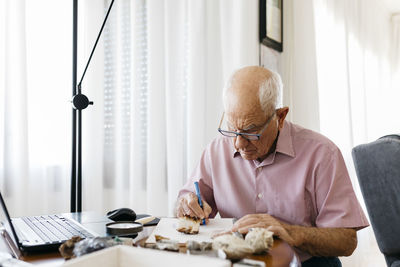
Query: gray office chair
x=378, y=170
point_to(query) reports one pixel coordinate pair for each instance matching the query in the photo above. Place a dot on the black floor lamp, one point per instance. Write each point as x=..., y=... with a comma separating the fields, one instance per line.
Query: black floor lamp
x=79, y=102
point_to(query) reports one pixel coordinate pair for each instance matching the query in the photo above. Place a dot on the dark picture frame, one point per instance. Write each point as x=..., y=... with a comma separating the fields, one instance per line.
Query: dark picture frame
x=271, y=24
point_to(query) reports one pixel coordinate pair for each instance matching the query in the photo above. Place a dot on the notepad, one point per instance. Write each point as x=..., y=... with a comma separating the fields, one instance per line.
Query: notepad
x=167, y=228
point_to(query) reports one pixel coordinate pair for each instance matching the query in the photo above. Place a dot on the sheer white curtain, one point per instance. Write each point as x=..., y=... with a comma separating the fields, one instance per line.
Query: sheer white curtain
x=13, y=133
x=155, y=79
x=35, y=82
x=357, y=101
x=164, y=64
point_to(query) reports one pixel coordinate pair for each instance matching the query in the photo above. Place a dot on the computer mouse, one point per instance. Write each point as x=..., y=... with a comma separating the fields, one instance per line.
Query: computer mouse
x=122, y=214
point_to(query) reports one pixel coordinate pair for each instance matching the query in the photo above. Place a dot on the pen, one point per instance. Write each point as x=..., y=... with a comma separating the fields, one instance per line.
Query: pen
x=196, y=186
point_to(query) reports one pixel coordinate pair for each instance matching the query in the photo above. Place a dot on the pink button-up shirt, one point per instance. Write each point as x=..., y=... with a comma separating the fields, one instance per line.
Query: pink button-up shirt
x=304, y=182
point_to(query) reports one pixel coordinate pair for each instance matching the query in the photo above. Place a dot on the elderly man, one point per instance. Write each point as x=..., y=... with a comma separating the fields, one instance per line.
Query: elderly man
x=272, y=173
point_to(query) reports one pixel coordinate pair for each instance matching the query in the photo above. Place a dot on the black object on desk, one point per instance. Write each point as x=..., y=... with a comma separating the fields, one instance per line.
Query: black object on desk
x=122, y=214
x=122, y=228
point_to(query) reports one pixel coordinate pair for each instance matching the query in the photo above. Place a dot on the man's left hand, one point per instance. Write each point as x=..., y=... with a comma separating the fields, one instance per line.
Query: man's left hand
x=263, y=221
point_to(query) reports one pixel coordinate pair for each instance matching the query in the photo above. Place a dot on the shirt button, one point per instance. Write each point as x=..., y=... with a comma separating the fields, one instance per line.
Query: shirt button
x=260, y=195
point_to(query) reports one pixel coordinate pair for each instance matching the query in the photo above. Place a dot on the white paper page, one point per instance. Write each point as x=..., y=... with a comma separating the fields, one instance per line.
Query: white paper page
x=167, y=228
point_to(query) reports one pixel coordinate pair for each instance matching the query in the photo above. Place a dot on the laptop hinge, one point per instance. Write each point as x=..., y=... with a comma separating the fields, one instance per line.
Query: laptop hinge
x=10, y=243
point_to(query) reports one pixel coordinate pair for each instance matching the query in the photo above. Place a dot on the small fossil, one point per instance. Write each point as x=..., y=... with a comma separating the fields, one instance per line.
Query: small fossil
x=233, y=246
x=188, y=225
x=260, y=239
x=257, y=240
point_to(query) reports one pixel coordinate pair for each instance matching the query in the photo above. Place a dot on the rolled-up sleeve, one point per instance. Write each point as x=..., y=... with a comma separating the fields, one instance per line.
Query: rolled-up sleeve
x=336, y=202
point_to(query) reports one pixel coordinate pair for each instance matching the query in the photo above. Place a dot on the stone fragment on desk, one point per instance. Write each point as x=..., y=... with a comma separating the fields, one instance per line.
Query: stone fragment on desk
x=233, y=246
x=67, y=248
x=188, y=225
x=160, y=237
x=89, y=245
x=166, y=244
x=76, y=246
x=260, y=239
x=198, y=246
x=257, y=240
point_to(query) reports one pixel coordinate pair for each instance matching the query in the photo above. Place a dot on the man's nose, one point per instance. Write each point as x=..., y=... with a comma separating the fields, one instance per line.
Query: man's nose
x=241, y=142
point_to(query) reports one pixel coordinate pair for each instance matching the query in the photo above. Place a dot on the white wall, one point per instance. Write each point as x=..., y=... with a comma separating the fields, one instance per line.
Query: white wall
x=297, y=64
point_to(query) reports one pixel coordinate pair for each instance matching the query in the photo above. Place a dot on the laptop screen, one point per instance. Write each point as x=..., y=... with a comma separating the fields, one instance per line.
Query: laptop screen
x=6, y=221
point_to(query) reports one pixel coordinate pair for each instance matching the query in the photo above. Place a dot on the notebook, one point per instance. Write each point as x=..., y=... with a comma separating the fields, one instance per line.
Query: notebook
x=39, y=233
x=167, y=228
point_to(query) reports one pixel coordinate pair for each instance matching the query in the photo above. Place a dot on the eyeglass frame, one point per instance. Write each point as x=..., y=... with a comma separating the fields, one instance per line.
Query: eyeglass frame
x=244, y=135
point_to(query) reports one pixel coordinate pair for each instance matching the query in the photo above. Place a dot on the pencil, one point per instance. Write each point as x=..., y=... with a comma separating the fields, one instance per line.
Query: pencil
x=196, y=186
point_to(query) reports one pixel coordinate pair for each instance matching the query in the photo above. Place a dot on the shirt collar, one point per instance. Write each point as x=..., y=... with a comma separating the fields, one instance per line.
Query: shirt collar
x=285, y=141
x=284, y=144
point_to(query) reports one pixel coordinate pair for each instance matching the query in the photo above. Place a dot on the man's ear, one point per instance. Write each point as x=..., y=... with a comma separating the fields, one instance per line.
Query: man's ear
x=281, y=114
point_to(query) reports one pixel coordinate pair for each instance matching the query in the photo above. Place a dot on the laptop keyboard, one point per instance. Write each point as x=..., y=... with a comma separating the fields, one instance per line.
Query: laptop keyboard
x=55, y=228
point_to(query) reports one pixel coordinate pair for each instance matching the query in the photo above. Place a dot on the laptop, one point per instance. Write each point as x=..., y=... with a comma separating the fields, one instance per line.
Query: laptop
x=39, y=233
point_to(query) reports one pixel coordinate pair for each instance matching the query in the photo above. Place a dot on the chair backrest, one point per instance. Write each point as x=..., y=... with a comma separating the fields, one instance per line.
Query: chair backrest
x=378, y=170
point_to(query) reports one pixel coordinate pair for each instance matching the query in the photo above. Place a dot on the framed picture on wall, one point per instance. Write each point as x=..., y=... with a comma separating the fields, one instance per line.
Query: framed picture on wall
x=271, y=23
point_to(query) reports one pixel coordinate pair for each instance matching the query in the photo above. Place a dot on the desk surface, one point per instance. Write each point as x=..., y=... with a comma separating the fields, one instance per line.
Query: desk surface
x=281, y=254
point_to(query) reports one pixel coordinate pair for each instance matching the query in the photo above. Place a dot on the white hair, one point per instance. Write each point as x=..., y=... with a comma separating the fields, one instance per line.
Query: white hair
x=269, y=93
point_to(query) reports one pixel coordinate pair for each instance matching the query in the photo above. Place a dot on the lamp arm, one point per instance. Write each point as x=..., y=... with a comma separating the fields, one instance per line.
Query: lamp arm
x=80, y=101
x=94, y=47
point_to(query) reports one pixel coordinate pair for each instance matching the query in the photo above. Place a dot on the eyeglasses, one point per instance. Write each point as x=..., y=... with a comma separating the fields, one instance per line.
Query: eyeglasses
x=248, y=136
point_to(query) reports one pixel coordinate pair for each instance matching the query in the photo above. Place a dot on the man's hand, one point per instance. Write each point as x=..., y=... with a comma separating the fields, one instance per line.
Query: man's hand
x=263, y=221
x=325, y=242
x=188, y=205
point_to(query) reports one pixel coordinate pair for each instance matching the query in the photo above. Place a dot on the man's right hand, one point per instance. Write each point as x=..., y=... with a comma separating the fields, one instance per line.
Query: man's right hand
x=188, y=205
